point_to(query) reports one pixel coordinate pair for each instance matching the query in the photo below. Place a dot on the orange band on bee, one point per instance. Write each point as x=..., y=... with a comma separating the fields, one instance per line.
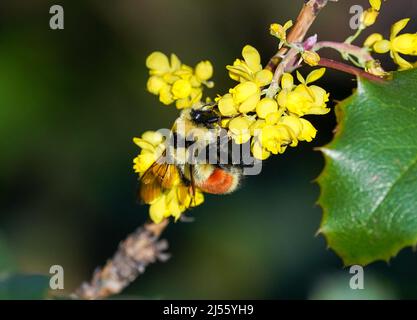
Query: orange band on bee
x=219, y=182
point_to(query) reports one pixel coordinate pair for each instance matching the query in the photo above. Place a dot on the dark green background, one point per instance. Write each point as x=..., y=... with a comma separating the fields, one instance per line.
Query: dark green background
x=70, y=102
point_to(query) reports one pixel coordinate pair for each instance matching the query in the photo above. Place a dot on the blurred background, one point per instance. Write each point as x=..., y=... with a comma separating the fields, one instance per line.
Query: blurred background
x=72, y=100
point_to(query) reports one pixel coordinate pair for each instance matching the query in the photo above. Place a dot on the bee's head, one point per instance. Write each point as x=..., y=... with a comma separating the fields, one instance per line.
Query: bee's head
x=205, y=116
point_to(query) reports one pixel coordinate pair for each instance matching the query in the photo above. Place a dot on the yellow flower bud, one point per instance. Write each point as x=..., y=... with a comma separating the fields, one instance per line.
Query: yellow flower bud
x=308, y=132
x=280, y=31
x=227, y=106
x=263, y=78
x=259, y=152
x=239, y=127
x=311, y=58
x=265, y=107
x=155, y=84
x=382, y=46
x=287, y=81
x=158, y=63
x=181, y=89
x=165, y=95
x=243, y=91
x=204, y=70
x=368, y=17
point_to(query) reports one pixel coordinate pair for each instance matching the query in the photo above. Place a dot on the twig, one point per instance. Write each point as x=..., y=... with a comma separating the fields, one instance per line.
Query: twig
x=324, y=62
x=346, y=48
x=283, y=58
x=134, y=254
x=297, y=33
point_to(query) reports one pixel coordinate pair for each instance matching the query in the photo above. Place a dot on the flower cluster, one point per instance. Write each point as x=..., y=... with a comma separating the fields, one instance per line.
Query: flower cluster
x=244, y=97
x=176, y=82
x=397, y=44
x=271, y=123
x=268, y=119
x=171, y=201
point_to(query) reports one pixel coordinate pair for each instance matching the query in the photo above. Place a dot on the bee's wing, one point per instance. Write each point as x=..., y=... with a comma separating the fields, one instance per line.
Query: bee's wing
x=158, y=177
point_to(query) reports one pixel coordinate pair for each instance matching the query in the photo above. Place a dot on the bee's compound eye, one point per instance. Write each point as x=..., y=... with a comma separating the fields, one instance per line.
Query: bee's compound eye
x=196, y=115
x=204, y=116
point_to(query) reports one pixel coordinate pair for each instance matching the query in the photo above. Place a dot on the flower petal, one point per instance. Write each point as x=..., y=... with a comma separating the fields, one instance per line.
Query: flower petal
x=252, y=58
x=398, y=26
x=315, y=75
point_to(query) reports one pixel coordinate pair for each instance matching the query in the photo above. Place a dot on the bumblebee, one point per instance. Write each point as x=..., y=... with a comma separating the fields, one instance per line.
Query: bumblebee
x=205, y=162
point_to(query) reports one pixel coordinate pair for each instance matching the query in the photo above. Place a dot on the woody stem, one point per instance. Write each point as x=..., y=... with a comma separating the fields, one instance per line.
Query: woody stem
x=344, y=49
x=328, y=63
x=134, y=254
x=305, y=19
x=287, y=56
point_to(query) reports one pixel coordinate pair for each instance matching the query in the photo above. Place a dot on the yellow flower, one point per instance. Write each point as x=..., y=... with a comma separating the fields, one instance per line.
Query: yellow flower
x=152, y=146
x=311, y=58
x=181, y=89
x=375, y=4
x=158, y=63
x=174, y=81
x=258, y=151
x=275, y=138
x=308, y=132
x=245, y=96
x=265, y=107
x=243, y=91
x=227, y=106
x=239, y=129
x=368, y=18
x=155, y=84
x=303, y=99
x=193, y=98
x=204, y=70
x=280, y=31
x=250, y=68
x=399, y=44
x=173, y=202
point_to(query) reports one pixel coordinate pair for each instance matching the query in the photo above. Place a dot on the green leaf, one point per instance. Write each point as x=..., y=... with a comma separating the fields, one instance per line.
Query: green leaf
x=369, y=183
x=23, y=287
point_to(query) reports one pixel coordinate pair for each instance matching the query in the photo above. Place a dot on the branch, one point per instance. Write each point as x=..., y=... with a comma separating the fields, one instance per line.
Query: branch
x=297, y=33
x=304, y=21
x=349, y=69
x=346, y=48
x=134, y=254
